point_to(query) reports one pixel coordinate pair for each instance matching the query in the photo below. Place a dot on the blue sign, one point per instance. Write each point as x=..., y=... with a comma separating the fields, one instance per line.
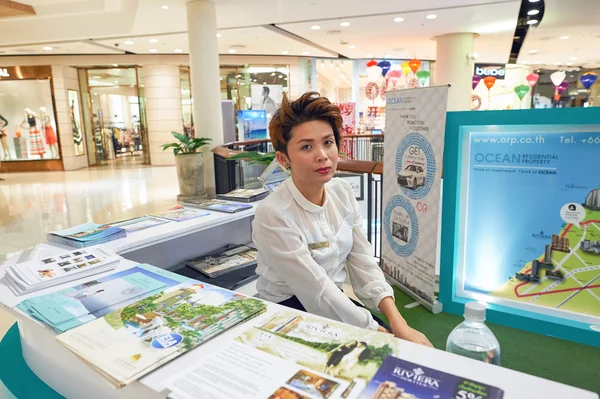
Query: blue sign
x=167, y=341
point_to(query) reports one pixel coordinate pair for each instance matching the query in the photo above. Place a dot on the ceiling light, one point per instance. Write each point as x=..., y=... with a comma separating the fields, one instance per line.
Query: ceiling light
x=398, y=19
x=533, y=51
x=116, y=87
x=153, y=40
x=129, y=42
x=218, y=35
x=221, y=78
x=285, y=52
x=264, y=83
x=115, y=65
x=569, y=63
x=231, y=51
x=315, y=27
x=95, y=94
x=345, y=24
x=254, y=80
x=116, y=81
x=573, y=58
x=564, y=37
x=306, y=53
x=117, y=70
x=532, y=22
x=178, y=50
x=242, y=83
x=280, y=76
x=238, y=76
x=431, y=16
x=272, y=73
x=96, y=77
x=165, y=7
x=533, y=12
x=533, y=1
x=351, y=46
x=153, y=50
x=47, y=48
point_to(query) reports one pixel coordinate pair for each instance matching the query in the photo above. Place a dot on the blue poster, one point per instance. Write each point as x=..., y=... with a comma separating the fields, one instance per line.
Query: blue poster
x=252, y=125
x=532, y=225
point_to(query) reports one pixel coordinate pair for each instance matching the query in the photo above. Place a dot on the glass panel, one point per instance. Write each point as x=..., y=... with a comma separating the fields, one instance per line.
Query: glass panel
x=27, y=121
x=76, y=125
x=186, y=101
x=87, y=117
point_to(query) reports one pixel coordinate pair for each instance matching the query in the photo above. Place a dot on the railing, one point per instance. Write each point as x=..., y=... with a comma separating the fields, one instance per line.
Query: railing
x=233, y=174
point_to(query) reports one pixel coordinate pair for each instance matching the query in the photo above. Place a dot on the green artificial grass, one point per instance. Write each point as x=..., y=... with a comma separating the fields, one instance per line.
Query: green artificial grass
x=546, y=357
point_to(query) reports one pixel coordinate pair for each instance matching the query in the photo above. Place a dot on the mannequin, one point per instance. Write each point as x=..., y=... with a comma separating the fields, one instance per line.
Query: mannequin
x=35, y=138
x=50, y=135
x=4, y=138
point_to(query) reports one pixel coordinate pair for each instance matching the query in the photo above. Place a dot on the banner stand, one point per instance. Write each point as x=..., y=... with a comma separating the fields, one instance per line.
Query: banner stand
x=435, y=307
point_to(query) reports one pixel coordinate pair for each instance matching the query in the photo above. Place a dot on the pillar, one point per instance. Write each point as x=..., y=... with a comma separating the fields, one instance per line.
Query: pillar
x=454, y=66
x=162, y=90
x=204, y=73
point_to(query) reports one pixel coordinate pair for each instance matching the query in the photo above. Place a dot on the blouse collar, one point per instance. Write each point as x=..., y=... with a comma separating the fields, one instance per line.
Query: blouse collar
x=301, y=200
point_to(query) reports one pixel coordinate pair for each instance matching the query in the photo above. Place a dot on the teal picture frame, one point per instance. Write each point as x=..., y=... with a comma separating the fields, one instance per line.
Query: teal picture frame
x=453, y=157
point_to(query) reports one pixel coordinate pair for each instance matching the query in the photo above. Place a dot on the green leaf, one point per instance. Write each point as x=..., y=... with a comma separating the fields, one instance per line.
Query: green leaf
x=170, y=145
x=181, y=137
x=254, y=157
x=176, y=151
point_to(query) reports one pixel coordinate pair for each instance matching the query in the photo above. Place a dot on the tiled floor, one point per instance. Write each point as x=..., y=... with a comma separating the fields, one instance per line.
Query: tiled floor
x=33, y=204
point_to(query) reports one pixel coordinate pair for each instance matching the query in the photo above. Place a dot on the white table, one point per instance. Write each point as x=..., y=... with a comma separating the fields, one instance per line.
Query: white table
x=68, y=375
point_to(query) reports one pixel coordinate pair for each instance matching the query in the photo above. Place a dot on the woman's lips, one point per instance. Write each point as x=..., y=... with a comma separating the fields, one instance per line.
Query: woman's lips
x=323, y=171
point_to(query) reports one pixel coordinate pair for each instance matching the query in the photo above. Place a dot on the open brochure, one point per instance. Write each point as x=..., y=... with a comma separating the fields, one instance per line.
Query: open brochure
x=30, y=276
x=398, y=378
x=86, y=234
x=293, y=355
x=71, y=307
x=180, y=214
x=128, y=343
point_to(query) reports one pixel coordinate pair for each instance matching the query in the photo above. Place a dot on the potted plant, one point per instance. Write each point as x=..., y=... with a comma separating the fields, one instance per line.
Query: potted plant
x=190, y=164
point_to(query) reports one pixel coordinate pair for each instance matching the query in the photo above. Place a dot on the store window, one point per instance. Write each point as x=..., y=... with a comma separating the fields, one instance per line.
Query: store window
x=27, y=119
x=334, y=79
x=574, y=94
x=186, y=101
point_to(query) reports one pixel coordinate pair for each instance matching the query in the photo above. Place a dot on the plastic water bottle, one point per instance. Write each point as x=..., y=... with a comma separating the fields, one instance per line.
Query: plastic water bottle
x=472, y=338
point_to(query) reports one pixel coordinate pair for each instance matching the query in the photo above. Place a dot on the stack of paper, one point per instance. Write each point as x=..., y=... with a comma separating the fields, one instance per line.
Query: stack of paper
x=128, y=343
x=180, y=214
x=218, y=205
x=26, y=277
x=71, y=307
x=87, y=234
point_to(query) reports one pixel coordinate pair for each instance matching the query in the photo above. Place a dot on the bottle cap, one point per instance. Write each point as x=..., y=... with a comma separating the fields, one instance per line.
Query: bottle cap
x=474, y=311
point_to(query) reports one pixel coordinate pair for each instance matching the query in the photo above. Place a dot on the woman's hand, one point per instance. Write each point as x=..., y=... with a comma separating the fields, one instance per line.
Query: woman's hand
x=383, y=330
x=403, y=331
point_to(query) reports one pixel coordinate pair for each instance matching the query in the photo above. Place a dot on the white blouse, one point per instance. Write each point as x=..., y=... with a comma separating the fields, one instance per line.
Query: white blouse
x=303, y=248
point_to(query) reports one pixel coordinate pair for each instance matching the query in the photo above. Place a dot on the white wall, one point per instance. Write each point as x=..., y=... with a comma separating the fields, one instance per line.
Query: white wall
x=65, y=78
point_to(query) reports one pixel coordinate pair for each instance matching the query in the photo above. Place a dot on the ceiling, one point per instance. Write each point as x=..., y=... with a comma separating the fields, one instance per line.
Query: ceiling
x=284, y=27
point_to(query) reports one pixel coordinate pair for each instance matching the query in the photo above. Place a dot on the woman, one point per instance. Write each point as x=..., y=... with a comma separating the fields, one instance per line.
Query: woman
x=309, y=231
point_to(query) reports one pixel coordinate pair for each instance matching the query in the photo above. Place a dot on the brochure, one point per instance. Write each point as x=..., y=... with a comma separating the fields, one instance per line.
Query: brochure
x=401, y=379
x=224, y=260
x=31, y=276
x=129, y=343
x=180, y=214
x=218, y=205
x=244, y=195
x=141, y=223
x=72, y=307
x=86, y=234
x=293, y=355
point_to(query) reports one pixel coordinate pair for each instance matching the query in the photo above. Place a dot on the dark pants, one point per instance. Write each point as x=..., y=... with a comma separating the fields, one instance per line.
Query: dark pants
x=295, y=303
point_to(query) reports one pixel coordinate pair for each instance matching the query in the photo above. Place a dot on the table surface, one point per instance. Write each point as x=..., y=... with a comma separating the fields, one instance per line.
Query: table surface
x=516, y=385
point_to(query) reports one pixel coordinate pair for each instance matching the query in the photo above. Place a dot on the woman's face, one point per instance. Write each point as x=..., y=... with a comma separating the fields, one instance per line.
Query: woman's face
x=312, y=153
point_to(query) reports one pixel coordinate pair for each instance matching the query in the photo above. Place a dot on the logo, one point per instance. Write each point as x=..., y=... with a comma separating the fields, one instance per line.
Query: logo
x=496, y=70
x=572, y=207
x=4, y=73
x=541, y=236
x=166, y=341
x=322, y=329
x=417, y=376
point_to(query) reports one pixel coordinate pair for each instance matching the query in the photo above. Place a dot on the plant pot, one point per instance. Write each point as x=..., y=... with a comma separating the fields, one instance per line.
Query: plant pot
x=190, y=173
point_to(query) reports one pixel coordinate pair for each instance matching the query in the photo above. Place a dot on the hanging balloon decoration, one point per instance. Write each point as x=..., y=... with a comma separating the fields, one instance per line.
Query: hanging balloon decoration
x=385, y=67
x=560, y=89
x=393, y=77
x=476, y=80
x=372, y=91
x=374, y=72
x=371, y=63
x=405, y=68
x=414, y=65
x=558, y=77
x=587, y=80
x=521, y=92
x=489, y=82
x=532, y=79
x=422, y=76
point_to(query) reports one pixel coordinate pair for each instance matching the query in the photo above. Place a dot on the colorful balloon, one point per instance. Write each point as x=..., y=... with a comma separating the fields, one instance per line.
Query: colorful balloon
x=373, y=72
x=385, y=67
x=422, y=76
x=405, y=68
x=371, y=63
x=522, y=91
x=562, y=87
x=394, y=76
x=558, y=77
x=588, y=79
x=414, y=65
x=532, y=79
x=489, y=81
x=476, y=80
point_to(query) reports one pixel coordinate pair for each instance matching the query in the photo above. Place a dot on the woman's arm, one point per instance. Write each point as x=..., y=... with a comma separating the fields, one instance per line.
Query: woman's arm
x=398, y=325
x=282, y=247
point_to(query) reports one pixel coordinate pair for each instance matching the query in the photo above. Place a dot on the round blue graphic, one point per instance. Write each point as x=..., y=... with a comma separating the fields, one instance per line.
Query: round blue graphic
x=166, y=341
x=409, y=248
x=421, y=188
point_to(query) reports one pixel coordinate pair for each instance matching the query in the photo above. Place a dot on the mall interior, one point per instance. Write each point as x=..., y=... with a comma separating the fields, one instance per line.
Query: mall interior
x=91, y=91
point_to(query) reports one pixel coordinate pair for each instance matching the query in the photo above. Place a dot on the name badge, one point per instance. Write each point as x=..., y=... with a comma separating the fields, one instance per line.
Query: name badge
x=318, y=245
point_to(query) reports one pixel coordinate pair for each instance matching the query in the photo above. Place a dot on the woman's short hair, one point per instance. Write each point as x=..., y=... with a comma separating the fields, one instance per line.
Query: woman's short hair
x=309, y=107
